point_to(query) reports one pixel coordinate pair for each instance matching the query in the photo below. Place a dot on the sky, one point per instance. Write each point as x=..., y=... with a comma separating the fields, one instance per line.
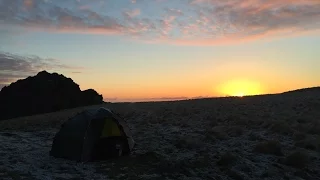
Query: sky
x=141, y=50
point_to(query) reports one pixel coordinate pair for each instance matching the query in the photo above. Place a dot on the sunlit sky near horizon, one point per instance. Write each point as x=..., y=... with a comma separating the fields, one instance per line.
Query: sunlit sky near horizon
x=159, y=49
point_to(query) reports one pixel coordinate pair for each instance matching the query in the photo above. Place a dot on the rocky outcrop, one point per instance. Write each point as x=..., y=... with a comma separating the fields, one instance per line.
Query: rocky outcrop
x=43, y=93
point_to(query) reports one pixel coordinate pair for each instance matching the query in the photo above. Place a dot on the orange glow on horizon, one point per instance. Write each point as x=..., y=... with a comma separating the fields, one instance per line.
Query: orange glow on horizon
x=240, y=88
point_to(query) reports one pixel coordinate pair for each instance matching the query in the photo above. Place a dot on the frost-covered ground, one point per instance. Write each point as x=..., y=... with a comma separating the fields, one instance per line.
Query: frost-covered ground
x=263, y=137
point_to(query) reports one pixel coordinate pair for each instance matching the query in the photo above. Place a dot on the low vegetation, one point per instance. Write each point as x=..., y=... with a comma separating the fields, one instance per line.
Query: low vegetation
x=297, y=159
x=269, y=147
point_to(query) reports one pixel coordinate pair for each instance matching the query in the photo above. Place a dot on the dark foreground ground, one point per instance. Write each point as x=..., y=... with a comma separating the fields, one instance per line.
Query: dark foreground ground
x=263, y=137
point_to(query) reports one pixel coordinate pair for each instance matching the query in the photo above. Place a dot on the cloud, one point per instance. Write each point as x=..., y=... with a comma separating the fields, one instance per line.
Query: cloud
x=174, y=12
x=133, y=13
x=13, y=67
x=8, y=78
x=45, y=15
x=186, y=22
x=231, y=21
x=110, y=99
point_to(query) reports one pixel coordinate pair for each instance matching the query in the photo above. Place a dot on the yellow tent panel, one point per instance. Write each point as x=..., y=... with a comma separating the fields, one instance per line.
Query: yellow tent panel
x=110, y=129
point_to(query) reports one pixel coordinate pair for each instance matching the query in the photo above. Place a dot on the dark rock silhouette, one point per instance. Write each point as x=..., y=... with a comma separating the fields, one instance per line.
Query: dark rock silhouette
x=43, y=93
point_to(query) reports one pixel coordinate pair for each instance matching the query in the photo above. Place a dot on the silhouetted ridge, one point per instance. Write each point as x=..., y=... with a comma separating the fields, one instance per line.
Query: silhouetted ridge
x=304, y=90
x=43, y=93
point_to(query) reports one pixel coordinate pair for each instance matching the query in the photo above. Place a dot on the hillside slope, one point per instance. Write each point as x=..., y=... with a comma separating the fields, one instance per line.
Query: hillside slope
x=260, y=137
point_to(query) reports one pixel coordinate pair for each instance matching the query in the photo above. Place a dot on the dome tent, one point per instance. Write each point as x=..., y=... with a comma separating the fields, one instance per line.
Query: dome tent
x=93, y=134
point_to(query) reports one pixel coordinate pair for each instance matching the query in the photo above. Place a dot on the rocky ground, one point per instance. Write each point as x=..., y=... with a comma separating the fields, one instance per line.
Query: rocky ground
x=262, y=137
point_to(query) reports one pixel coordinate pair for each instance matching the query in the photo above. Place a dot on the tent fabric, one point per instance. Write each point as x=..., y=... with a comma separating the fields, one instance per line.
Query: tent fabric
x=92, y=134
x=110, y=129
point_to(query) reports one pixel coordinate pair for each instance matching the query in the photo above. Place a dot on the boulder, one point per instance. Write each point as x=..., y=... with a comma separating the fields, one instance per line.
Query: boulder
x=44, y=93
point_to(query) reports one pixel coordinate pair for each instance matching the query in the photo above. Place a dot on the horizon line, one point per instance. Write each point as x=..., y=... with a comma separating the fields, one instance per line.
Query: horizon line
x=168, y=99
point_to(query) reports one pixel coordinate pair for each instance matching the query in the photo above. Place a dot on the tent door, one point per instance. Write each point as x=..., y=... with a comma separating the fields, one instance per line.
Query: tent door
x=110, y=129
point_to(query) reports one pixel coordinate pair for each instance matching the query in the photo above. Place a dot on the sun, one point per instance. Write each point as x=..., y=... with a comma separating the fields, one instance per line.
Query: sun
x=240, y=94
x=240, y=88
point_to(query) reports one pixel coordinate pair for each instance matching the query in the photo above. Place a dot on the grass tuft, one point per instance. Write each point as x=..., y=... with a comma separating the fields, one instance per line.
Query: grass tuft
x=227, y=159
x=297, y=159
x=269, y=147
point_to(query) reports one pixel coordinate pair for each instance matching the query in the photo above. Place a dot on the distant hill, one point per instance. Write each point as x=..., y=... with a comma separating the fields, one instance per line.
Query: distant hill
x=304, y=90
x=43, y=93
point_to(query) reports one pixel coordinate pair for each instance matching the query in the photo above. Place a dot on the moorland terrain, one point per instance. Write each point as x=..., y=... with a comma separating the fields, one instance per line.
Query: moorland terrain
x=273, y=136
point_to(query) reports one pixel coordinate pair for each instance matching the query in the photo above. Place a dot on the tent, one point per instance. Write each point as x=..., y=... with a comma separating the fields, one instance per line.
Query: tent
x=94, y=134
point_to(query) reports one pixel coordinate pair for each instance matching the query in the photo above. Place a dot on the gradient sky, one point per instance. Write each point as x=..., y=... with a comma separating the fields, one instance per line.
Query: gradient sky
x=160, y=49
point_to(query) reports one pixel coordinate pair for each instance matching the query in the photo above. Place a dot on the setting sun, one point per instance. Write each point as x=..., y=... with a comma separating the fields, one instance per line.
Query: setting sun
x=240, y=94
x=241, y=88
